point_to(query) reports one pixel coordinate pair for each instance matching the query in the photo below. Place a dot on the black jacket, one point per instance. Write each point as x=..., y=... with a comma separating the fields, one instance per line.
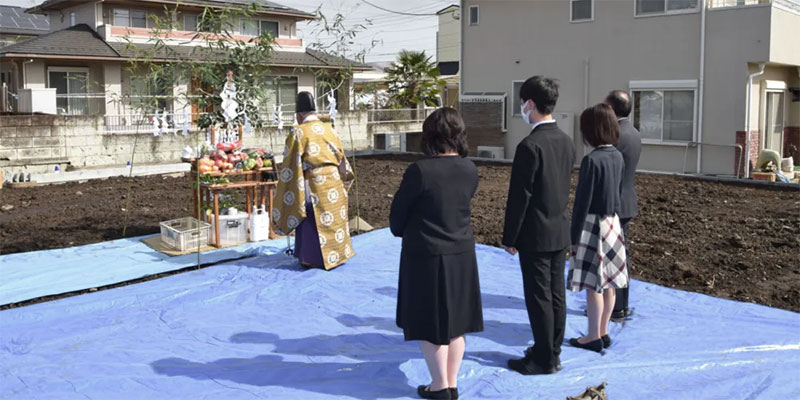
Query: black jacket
x=537, y=215
x=598, y=190
x=630, y=145
x=431, y=209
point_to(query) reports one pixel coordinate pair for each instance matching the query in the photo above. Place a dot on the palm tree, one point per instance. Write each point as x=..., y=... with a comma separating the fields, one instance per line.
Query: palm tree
x=413, y=79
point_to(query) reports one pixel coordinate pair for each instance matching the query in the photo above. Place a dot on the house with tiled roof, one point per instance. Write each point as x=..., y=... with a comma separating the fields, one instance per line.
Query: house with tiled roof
x=89, y=44
x=18, y=26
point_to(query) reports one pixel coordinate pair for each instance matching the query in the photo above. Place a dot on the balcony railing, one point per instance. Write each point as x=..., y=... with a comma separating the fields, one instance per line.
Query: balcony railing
x=81, y=104
x=790, y=4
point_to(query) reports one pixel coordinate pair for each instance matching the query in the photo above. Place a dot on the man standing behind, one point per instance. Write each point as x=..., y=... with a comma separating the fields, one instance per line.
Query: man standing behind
x=630, y=145
x=537, y=223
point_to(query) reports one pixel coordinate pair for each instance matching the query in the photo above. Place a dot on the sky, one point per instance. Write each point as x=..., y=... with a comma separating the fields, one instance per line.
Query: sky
x=393, y=32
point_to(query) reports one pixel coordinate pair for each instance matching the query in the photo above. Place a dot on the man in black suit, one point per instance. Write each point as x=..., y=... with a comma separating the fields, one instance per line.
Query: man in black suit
x=537, y=223
x=630, y=145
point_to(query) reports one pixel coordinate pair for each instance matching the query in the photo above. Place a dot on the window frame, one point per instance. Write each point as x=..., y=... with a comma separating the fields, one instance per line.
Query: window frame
x=515, y=111
x=504, y=120
x=196, y=22
x=572, y=17
x=667, y=11
x=147, y=23
x=69, y=95
x=666, y=86
x=258, y=22
x=477, y=15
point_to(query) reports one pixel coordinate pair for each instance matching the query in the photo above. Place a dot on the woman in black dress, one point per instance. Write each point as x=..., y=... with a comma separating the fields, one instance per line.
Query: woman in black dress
x=438, y=297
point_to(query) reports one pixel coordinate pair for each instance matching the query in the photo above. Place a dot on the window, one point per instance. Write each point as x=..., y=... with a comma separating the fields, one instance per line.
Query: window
x=664, y=111
x=190, y=22
x=504, y=123
x=581, y=10
x=281, y=90
x=71, y=86
x=515, y=100
x=654, y=7
x=269, y=26
x=257, y=27
x=72, y=19
x=474, y=17
x=147, y=93
x=775, y=120
x=130, y=18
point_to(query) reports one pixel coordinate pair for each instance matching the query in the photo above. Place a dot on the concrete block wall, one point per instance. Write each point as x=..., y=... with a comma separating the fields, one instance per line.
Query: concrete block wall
x=36, y=144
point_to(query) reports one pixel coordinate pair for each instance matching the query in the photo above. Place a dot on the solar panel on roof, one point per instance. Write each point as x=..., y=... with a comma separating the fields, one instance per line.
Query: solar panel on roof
x=16, y=18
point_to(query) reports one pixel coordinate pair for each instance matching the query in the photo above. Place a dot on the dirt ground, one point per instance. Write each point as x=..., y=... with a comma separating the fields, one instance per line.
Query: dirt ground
x=730, y=241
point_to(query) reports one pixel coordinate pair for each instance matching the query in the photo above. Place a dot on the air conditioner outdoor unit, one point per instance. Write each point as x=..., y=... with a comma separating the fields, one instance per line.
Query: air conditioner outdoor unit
x=491, y=152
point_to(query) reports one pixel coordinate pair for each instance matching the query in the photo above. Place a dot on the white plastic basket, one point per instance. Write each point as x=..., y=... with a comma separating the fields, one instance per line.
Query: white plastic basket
x=232, y=229
x=185, y=233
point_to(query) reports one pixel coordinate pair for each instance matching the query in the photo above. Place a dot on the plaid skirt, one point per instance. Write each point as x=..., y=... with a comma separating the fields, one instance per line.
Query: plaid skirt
x=598, y=261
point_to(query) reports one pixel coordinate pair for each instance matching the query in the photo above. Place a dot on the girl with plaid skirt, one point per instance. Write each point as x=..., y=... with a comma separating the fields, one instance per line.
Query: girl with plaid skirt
x=597, y=262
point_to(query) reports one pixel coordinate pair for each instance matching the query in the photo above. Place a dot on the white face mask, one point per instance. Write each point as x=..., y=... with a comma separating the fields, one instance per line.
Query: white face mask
x=525, y=116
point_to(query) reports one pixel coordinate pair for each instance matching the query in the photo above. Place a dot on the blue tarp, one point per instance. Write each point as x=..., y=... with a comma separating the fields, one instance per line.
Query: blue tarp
x=265, y=328
x=27, y=276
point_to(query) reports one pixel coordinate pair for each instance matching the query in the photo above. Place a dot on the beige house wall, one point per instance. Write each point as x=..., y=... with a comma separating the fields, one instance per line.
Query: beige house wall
x=500, y=50
x=785, y=28
x=448, y=37
x=515, y=40
x=84, y=14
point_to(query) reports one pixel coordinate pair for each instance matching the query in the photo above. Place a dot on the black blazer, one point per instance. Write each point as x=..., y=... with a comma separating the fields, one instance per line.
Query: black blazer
x=537, y=215
x=431, y=209
x=630, y=145
x=598, y=190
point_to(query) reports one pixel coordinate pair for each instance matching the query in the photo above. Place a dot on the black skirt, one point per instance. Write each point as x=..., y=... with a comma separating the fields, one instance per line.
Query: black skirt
x=438, y=296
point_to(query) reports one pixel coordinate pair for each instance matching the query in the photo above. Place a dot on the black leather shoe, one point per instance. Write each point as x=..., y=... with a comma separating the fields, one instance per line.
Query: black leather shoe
x=596, y=345
x=527, y=367
x=606, y=341
x=453, y=393
x=425, y=392
x=621, y=316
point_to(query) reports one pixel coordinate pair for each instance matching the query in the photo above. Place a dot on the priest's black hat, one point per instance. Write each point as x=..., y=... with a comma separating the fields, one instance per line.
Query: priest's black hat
x=305, y=102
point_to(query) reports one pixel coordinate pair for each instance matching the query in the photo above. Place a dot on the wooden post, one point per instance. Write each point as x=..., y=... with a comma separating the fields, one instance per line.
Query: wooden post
x=269, y=194
x=241, y=133
x=216, y=220
x=213, y=135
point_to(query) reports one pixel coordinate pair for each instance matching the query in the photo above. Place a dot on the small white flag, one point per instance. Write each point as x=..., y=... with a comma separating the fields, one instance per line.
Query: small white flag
x=156, y=125
x=332, y=105
x=248, y=128
x=185, y=122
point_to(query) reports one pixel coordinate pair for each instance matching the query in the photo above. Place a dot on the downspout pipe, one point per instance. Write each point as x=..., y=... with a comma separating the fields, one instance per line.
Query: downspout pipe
x=701, y=86
x=750, y=78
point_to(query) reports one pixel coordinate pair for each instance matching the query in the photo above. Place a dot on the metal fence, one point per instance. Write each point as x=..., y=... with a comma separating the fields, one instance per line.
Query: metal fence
x=173, y=122
x=395, y=115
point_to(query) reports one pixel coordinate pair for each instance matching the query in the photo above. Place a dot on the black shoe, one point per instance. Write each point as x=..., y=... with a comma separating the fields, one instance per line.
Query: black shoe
x=454, y=393
x=621, y=316
x=595, y=345
x=558, y=364
x=606, y=341
x=425, y=392
x=526, y=366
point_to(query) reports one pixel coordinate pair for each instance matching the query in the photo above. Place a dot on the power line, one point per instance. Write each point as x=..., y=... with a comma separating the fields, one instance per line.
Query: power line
x=399, y=12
